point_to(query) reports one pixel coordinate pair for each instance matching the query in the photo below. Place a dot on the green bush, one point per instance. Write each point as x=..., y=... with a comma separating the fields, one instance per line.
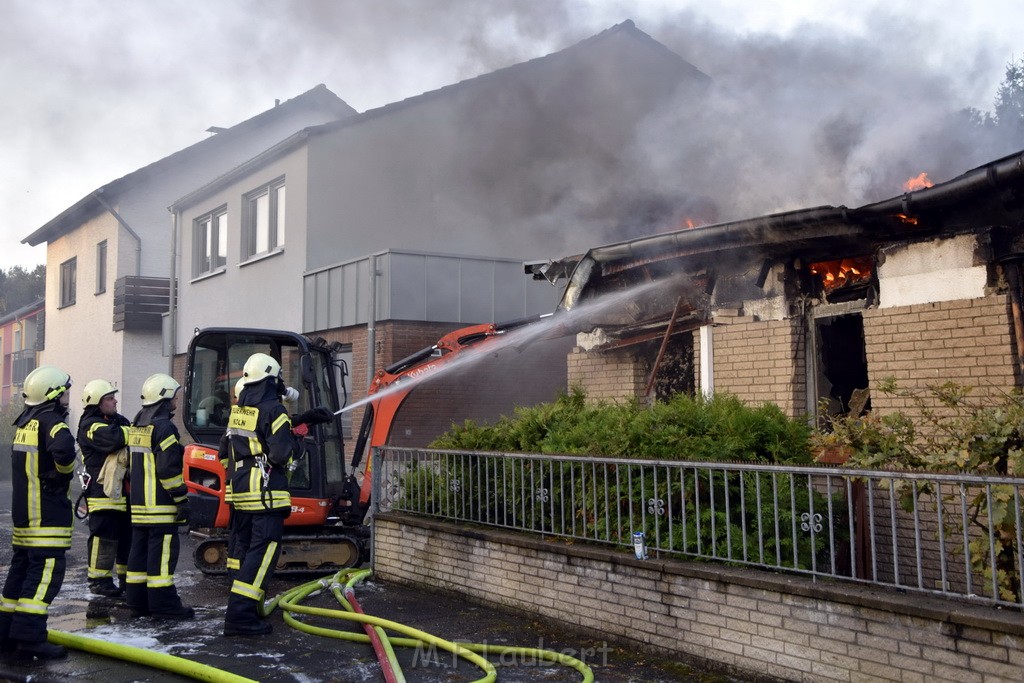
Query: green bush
x=684, y=428
x=949, y=430
x=738, y=527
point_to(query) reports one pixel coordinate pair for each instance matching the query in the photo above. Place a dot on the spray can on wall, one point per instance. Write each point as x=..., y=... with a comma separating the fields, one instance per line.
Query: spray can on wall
x=639, y=545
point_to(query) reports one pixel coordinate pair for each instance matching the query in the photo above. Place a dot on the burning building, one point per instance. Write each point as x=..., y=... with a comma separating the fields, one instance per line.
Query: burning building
x=812, y=305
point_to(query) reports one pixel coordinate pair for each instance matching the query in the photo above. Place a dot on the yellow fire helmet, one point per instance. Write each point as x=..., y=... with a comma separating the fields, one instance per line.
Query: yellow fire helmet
x=158, y=387
x=96, y=390
x=43, y=384
x=259, y=367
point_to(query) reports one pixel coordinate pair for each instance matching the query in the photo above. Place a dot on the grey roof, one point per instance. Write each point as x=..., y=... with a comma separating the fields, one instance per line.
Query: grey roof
x=88, y=206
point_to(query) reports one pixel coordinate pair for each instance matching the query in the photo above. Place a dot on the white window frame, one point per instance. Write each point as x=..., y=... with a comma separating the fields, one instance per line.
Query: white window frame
x=210, y=242
x=263, y=220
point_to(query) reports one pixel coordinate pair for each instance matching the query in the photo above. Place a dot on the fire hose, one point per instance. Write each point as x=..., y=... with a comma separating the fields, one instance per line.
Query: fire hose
x=342, y=586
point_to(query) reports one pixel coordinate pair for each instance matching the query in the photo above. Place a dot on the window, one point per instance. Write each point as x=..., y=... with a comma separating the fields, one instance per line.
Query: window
x=101, y=267
x=210, y=242
x=68, y=275
x=264, y=220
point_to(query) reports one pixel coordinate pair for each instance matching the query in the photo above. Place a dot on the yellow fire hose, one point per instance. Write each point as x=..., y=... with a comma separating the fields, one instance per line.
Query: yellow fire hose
x=289, y=601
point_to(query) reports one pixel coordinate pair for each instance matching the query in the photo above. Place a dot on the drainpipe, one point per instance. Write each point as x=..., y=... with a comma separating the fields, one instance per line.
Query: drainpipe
x=124, y=224
x=707, y=361
x=172, y=309
x=371, y=322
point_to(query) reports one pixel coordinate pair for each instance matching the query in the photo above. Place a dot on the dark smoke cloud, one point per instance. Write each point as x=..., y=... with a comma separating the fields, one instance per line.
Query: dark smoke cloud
x=97, y=88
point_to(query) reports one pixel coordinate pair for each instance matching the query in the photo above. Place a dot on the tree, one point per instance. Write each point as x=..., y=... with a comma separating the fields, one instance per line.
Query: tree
x=1002, y=129
x=20, y=287
x=1009, y=104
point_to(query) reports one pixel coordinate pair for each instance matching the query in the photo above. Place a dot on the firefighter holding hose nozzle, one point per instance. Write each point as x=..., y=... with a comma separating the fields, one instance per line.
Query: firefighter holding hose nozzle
x=261, y=447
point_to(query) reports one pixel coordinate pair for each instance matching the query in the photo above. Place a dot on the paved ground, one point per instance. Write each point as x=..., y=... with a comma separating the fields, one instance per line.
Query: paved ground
x=290, y=655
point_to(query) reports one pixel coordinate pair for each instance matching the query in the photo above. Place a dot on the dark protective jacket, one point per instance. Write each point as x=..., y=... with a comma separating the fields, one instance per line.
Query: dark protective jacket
x=155, y=464
x=42, y=465
x=260, y=431
x=98, y=437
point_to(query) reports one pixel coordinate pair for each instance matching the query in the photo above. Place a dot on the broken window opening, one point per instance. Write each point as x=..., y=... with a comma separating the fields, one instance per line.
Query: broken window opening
x=676, y=371
x=842, y=364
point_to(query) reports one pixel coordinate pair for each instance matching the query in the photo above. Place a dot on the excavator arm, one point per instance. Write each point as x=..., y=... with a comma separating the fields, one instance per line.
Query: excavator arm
x=391, y=386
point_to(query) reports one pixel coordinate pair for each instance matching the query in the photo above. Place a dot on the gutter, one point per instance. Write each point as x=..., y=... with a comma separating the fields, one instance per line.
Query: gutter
x=98, y=194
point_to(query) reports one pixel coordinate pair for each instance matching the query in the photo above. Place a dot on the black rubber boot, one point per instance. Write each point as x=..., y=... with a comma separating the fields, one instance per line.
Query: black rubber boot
x=182, y=613
x=105, y=587
x=259, y=628
x=41, y=650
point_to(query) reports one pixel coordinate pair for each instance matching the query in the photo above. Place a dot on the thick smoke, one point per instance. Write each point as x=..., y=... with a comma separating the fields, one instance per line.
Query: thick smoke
x=99, y=88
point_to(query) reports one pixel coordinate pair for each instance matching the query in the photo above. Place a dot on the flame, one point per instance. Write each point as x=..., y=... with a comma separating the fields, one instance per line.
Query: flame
x=907, y=219
x=690, y=223
x=918, y=182
x=841, y=272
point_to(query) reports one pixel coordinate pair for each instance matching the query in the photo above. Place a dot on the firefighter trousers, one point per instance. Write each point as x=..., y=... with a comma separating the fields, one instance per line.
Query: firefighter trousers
x=258, y=535
x=151, y=564
x=110, y=540
x=33, y=581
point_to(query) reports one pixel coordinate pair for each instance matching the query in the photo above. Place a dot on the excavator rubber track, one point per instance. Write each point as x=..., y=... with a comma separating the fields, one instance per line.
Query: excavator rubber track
x=324, y=551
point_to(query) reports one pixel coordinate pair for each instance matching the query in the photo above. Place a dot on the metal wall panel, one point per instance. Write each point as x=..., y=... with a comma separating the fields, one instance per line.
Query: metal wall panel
x=423, y=286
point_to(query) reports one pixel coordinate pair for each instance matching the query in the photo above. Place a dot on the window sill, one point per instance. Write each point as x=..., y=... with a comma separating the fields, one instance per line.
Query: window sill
x=261, y=257
x=67, y=305
x=207, y=276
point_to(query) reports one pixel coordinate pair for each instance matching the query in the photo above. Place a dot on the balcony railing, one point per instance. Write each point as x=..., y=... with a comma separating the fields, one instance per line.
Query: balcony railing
x=22, y=363
x=933, y=533
x=140, y=302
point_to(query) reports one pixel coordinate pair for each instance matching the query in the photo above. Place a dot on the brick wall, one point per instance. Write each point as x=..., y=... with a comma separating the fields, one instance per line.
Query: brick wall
x=969, y=341
x=762, y=361
x=755, y=623
x=607, y=375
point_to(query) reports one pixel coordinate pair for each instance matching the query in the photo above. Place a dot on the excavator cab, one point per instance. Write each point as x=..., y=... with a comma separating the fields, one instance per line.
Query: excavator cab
x=316, y=371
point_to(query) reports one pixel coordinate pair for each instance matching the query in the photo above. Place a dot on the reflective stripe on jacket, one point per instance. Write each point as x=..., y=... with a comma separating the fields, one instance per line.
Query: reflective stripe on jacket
x=43, y=460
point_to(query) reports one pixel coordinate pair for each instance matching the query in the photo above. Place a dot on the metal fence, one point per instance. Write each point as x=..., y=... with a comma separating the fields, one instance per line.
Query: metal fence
x=950, y=534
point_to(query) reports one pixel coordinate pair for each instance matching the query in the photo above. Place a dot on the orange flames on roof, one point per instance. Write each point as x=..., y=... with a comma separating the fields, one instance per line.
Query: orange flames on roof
x=690, y=223
x=841, y=272
x=918, y=182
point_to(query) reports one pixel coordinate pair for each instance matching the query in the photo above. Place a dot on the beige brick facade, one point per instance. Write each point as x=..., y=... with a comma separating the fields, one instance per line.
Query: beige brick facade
x=762, y=362
x=968, y=341
x=755, y=623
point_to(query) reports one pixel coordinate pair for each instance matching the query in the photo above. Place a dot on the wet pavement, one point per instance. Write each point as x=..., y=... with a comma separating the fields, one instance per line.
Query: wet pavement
x=291, y=655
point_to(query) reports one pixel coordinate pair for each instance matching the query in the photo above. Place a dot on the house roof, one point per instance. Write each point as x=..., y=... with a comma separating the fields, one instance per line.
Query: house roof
x=90, y=205
x=990, y=195
x=28, y=309
x=627, y=29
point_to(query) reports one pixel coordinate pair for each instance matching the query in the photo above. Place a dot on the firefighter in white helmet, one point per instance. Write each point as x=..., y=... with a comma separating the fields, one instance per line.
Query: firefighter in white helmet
x=42, y=465
x=103, y=437
x=261, y=446
x=158, y=503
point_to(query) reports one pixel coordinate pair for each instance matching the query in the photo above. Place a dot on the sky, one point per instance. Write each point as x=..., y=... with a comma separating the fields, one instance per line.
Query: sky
x=826, y=101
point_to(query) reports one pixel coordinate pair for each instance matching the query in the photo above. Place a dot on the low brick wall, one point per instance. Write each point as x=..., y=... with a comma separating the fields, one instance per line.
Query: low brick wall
x=755, y=623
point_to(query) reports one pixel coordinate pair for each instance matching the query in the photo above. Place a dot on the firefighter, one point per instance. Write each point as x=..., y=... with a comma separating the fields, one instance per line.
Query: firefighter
x=102, y=437
x=261, y=446
x=158, y=503
x=42, y=465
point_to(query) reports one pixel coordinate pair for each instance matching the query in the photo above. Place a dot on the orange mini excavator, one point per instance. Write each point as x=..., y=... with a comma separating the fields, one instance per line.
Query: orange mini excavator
x=327, y=529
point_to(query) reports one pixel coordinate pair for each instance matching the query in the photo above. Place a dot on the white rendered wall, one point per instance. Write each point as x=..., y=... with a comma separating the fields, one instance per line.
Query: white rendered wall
x=925, y=272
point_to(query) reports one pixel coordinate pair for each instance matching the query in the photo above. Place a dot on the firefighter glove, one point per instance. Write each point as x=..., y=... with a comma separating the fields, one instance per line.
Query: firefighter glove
x=55, y=482
x=316, y=416
x=182, y=516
